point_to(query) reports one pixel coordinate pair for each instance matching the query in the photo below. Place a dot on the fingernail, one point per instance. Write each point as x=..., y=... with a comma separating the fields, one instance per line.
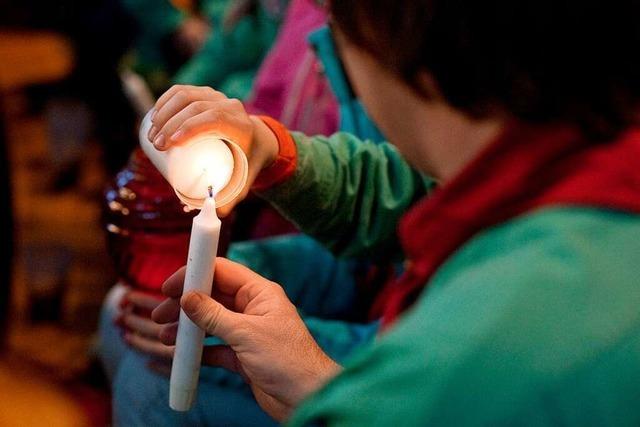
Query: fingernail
x=153, y=115
x=152, y=133
x=159, y=141
x=177, y=135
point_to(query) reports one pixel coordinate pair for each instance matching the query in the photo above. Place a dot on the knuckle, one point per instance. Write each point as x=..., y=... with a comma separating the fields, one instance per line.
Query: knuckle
x=212, y=318
x=214, y=115
x=235, y=104
x=182, y=96
x=174, y=88
x=244, y=329
x=211, y=91
x=224, y=116
x=243, y=296
x=276, y=288
x=197, y=107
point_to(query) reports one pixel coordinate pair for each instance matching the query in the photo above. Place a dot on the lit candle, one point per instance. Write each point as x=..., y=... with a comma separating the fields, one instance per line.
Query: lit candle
x=202, y=160
x=203, y=248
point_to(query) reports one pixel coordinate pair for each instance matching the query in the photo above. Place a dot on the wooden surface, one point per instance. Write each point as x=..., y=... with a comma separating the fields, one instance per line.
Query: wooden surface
x=30, y=401
x=41, y=373
x=6, y=222
x=28, y=57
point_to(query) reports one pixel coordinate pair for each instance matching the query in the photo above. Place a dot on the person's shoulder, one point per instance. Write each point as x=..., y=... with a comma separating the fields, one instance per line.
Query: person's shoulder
x=559, y=265
x=535, y=318
x=533, y=322
x=566, y=244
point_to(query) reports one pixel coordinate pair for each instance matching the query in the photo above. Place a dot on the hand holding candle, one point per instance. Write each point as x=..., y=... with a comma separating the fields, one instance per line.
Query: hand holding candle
x=267, y=341
x=203, y=247
x=197, y=137
x=204, y=171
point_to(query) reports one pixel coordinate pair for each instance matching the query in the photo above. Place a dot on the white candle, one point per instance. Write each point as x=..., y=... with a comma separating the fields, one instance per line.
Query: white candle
x=203, y=248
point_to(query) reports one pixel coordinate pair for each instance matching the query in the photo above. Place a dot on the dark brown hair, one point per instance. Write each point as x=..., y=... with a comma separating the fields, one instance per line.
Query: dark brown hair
x=575, y=61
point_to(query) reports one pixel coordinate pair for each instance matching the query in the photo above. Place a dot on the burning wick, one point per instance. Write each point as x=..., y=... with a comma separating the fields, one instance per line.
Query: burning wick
x=210, y=189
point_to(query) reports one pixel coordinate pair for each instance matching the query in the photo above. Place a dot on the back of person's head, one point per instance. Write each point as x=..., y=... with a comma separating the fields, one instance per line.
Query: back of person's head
x=573, y=61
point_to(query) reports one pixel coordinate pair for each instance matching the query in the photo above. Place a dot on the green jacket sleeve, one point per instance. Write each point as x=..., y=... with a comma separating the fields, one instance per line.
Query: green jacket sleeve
x=158, y=19
x=534, y=323
x=214, y=11
x=228, y=51
x=348, y=194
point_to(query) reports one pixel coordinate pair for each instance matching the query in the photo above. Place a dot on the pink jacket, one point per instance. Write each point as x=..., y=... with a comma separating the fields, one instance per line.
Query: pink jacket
x=290, y=85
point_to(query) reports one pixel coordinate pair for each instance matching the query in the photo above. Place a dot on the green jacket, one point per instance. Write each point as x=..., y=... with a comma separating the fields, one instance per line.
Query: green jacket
x=157, y=20
x=229, y=59
x=533, y=322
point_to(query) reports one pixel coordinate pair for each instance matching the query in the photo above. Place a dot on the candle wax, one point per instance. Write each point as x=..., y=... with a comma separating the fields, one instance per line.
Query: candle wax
x=203, y=247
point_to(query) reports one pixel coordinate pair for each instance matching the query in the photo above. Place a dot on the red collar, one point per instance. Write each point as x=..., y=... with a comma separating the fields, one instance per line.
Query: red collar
x=524, y=169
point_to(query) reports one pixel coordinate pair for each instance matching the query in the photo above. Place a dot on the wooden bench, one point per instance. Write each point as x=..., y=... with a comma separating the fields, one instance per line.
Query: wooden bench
x=26, y=58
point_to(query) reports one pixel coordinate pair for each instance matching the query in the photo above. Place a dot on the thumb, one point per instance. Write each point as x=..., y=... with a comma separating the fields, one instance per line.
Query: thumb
x=210, y=315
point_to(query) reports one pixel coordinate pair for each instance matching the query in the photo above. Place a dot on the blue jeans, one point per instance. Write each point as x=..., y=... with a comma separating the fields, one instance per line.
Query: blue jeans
x=322, y=287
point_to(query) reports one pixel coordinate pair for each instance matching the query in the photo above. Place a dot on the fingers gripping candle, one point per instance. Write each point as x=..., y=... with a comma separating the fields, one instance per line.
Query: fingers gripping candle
x=203, y=247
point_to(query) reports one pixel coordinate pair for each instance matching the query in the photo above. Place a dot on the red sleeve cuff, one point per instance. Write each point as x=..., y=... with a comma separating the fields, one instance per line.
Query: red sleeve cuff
x=285, y=164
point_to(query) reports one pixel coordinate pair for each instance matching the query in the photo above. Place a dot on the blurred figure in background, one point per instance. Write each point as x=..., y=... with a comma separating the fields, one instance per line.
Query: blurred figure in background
x=218, y=43
x=92, y=97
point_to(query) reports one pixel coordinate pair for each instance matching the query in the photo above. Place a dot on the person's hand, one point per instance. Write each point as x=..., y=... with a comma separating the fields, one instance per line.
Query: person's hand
x=192, y=34
x=142, y=333
x=267, y=342
x=184, y=111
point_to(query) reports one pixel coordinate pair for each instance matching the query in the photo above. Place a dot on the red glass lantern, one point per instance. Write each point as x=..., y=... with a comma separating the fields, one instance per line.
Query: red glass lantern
x=147, y=228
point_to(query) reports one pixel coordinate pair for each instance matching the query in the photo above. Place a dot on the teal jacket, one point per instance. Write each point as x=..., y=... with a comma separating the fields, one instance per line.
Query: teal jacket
x=532, y=322
x=229, y=59
x=353, y=117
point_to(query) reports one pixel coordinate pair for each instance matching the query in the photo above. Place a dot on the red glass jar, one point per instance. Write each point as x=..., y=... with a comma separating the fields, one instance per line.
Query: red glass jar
x=147, y=228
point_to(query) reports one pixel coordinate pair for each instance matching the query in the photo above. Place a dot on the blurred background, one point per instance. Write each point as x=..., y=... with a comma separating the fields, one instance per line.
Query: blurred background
x=55, y=269
x=76, y=197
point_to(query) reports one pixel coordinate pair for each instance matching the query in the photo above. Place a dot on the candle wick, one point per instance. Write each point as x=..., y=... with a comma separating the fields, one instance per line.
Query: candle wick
x=210, y=189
